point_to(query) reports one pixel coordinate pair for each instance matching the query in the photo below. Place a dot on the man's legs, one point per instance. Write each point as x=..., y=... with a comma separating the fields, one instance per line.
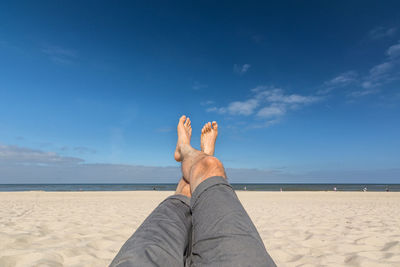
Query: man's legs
x=163, y=238
x=196, y=165
x=223, y=233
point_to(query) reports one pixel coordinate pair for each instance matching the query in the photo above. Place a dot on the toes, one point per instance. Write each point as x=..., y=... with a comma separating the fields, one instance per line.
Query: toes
x=190, y=122
x=215, y=125
x=182, y=119
x=209, y=126
x=187, y=122
x=202, y=130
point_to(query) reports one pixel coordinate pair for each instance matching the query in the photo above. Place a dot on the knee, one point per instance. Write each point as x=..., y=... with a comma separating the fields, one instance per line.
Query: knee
x=213, y=165
x=205, y=168
x=210, y=162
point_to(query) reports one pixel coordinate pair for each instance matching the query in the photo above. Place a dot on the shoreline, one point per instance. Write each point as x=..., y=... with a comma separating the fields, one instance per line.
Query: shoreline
x=171, y=187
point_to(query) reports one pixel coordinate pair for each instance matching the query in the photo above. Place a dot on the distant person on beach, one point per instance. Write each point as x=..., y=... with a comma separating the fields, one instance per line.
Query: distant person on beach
x=204, y=223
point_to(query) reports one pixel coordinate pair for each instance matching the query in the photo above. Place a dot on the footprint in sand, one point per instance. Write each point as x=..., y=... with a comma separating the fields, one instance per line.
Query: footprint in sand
x=389, y=245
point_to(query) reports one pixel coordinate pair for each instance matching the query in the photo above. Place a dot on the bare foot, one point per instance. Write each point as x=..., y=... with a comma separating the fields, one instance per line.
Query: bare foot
x=183, y=188
x=184, y=130
x=209, y=135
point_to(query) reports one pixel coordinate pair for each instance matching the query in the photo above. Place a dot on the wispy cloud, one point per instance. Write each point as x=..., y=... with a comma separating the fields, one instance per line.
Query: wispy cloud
x=59, y=54
x=268, y=103
x=342, y=80
x=393, y=51
x=361, y=93
x=274, y=110
x=386, y=71
x=238, y=107
x=277, y=95
x=377, y=75
x=382, y=32
x=21, y=155
x=369, y=83
x=198, y=86
x=241, y=69
x=207, y=103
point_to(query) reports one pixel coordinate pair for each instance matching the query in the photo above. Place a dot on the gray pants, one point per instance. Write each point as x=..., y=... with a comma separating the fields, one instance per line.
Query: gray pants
x=211, y=229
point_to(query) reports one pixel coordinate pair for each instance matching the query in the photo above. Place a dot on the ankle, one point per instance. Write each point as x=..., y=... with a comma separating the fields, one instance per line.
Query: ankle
x=185, y=150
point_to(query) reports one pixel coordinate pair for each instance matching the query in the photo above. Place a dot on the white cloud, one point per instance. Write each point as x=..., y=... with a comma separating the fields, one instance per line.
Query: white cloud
x=342, y=80
x=242, y=107
x=272, y=111
x=237, y=108
x=378, y=75
x=277, y=95
x=212, y=109
x=382, y=32
x=385, y=72
x=394, y=51
x=267, y=103
x=367, y=84
x=241, y=69
x=381, y=69
x=362, y=93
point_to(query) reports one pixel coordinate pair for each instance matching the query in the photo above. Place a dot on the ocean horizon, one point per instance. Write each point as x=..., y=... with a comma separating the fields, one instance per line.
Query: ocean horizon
x=172, y=186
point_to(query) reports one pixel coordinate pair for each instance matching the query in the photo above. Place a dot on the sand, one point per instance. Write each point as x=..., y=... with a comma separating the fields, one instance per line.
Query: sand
x=298, y=228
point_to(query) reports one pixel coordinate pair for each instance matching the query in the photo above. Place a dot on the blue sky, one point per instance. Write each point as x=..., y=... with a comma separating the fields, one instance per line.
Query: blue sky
x=303, y=92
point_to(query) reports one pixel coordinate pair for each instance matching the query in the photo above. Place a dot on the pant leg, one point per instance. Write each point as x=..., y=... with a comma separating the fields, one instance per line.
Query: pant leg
x=223, y=233
x=162, y=239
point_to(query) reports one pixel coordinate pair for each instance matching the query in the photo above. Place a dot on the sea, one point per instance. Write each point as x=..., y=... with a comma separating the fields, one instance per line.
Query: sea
x=172, y=187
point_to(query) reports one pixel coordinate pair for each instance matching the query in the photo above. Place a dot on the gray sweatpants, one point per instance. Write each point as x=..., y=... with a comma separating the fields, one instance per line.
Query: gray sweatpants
x=210, y=229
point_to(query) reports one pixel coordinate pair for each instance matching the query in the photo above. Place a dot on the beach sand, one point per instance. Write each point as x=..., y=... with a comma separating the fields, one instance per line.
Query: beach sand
x=298, y=228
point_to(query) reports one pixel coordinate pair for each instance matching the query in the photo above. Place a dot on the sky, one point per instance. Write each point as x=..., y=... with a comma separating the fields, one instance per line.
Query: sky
x=303, y=91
